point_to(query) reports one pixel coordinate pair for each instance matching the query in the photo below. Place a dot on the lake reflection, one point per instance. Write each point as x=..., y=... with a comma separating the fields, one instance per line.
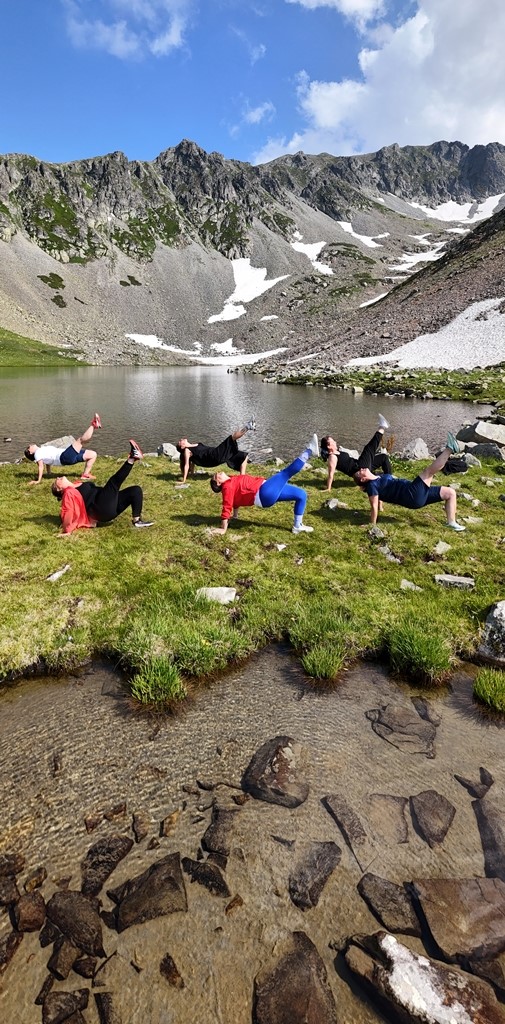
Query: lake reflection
x=155, y=404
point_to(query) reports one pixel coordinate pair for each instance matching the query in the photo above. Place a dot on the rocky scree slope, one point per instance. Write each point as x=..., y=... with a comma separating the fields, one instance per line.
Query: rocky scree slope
x=101, y=247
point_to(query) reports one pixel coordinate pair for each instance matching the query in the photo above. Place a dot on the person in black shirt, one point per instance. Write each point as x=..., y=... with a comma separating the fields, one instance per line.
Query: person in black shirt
x=370, y=458
x=197, y=454
x=414, y=493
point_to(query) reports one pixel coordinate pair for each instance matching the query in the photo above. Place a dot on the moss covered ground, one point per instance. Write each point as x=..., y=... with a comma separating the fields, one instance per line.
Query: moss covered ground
x=18, y=351
x=131, y=594
x=479, y=385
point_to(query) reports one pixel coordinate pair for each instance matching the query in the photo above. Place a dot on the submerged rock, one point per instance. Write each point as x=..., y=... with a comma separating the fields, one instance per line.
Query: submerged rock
x=100, y=861
x=170, y=971
x=294, y=989
x=404, y=728
x=156, y=892
x=216, y=838
x=310, y=875
x=351, y=828
x=433, y=815
x=78, y=920
x=390, y=903
x=59, y=1006
x=490, y=814
x=273, y=774
x=30, y=912
x=206, y=874
x=107, y=1012
x=388, y=818
x=477, y=789
x=466, y=916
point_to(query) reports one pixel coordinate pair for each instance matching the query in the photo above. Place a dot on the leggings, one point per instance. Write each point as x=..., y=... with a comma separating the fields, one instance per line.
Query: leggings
x=277, y=488
x=370, y=459
x=109, y=501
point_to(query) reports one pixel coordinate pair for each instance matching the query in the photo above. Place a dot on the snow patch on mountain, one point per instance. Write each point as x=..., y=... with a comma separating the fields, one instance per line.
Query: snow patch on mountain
x=463, y=211
x=368, y=240
x=250, y=283
x=312, y=250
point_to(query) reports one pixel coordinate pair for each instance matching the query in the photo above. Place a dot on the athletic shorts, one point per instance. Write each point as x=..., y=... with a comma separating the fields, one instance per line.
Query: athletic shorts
x=420, y=494
x=69, y=457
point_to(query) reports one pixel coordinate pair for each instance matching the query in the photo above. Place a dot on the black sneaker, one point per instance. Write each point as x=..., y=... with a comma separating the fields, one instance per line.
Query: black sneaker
x=140, y=523
x=135, y=451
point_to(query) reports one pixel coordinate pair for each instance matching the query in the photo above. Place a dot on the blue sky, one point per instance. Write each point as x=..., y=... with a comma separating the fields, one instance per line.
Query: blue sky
x=251, y=79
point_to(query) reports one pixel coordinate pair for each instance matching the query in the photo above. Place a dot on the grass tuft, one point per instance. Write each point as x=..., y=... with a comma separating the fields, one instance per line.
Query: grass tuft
x=489, y=688
x=418, y=653
x=158, y=683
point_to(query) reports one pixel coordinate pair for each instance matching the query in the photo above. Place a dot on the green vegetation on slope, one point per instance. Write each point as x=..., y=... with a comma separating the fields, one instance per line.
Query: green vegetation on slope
x=483, y=385
x=332, y=594
x=18, y=351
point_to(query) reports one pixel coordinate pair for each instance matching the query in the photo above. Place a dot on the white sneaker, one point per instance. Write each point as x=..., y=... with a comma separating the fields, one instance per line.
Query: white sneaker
x=251, y=425
x=455, y=526
x=304, y=529
x=313, y=445
x=382, y=421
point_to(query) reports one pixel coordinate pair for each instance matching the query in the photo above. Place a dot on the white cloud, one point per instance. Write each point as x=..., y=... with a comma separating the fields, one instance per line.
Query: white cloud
x=128, y=28
x=439, y=74
x=359, y=11
x=264, y=112
x=256, y=51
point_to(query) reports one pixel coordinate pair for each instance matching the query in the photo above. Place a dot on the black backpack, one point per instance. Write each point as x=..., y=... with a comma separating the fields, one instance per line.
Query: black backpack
x=455, y=464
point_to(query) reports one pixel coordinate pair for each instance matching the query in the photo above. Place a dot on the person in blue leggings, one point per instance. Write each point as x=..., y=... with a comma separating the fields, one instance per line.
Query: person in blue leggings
x=239, y=491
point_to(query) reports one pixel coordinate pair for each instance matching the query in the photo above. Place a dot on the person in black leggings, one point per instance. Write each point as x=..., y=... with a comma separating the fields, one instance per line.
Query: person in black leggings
x=93, y=505
x=370, y=458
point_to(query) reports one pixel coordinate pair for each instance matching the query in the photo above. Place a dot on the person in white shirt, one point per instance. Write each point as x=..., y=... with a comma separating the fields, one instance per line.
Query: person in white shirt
x=49, y=455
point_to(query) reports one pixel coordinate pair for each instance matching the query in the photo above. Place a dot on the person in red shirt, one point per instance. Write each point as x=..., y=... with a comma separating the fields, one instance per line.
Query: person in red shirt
x=86, y=505
x=238, y=491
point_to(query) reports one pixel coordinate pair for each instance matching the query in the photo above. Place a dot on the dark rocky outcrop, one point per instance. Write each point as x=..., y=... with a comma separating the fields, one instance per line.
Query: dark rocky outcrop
x=11, y=864
x=63, y=958
x=351, y=828
x=8, y=947
x=390, y=903
x=403, y=727
x=274, y=773
x=217, y=837
x=60, y=1006
x=157, y=891
x=107, y=1012
x=294, y=988
x=432, y=814
x=490, y=814
x=78, y=920
x=414, y=989
x=309, y=877
x=477, y=789
x=207, y=874
x=466, y=916
x=100, y=861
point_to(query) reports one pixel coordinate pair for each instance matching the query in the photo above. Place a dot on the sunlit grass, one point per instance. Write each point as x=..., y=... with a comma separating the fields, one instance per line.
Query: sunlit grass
x=489, y=688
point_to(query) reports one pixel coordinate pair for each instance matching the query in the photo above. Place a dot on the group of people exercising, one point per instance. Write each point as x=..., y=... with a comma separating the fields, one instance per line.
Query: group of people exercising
x=84, y=504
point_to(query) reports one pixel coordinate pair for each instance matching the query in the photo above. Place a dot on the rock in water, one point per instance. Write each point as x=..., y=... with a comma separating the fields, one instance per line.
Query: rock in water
x=307, y=881
x=78, y=920
x=403, y=728
x=158, y=891
x=466, y=916
x=433, y=814
x=390, y=903
x=273, y=773
x=490, y=814
x=294, y=989
x=100, y=861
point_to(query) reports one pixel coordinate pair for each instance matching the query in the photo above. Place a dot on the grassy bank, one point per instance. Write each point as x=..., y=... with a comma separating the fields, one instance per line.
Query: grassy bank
x=486, y=385
x=333, y=594
x=18, y=351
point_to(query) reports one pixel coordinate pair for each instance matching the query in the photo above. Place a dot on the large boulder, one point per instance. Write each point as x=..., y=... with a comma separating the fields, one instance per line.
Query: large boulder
x=169, y=450
x=274, y=775
x=78, y=920
x=486, y=432
x=415, y=450
x=157, y=891
x=492, y=645
x=294, y=989
x=414, y=989
x=466, y=916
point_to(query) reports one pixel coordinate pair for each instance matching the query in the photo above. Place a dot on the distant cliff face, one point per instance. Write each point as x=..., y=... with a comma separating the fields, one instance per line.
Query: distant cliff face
x=88, y=232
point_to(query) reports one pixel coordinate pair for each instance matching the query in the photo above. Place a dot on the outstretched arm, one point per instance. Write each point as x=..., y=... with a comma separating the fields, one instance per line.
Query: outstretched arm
x=40, y=465
x=374, y=507
x=332, y=465
x=187, y=456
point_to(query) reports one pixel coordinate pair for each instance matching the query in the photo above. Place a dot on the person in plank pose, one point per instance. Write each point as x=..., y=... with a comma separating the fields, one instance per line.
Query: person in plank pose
x=414, y=493
x=239, y=491
x=49, y=455
x=86, y=505
x=370, y=458
x=226, y=453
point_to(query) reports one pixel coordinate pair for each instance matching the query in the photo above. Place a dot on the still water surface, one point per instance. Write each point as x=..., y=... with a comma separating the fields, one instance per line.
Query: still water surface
x=155, y=404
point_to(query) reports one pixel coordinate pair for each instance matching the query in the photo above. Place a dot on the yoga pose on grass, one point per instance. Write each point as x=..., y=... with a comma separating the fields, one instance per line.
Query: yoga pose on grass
x=414, y=493
x=227, y=453
x=85, y=504
x=49, y=455
x=238, y=491
x=370, y=457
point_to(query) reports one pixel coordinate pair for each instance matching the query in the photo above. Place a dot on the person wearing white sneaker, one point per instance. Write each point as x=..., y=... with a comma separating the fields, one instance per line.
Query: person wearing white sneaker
x=49, y=455
x=412, y=493
x=86, y=505
x=239, y=491
x=226, y=453
x=370, y=457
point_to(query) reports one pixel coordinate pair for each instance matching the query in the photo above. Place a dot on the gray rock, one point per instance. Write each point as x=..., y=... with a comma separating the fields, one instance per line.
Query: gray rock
x=294, y=989
x=466, y=916
x=334, y=503
x=415, y=450
x=460, y=582
x=415, y=989
x=491, y=970
x=222, y=595
x=207, y=874
x=77, y=919
x=274, y=774
x=311, y=873
x=477, y=789
x=426, y=710
x=59, y=1006
x=441, y=548
x=169, y=450
x=492, y=645
x=403, y=728
x=385, y=550
x=471, y=459
x=490, y=814
x=390, y=903
x=432, y=813
x=156, y=892
x=376, y=533
x=408, y=585
x=100, y=861
x=387, y=817
x=351, y=828
x=484, y=451
x=486, y=432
